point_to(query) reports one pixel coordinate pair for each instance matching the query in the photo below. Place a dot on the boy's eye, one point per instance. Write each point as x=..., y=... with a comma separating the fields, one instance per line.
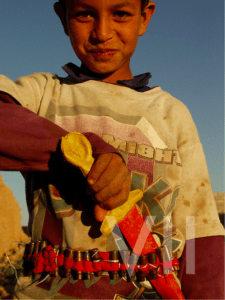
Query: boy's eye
x=121, y=15
x=83, y=15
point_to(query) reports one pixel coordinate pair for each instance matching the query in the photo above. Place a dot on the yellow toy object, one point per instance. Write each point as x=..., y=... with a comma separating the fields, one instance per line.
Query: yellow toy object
x=117, y=214
x=77, y=150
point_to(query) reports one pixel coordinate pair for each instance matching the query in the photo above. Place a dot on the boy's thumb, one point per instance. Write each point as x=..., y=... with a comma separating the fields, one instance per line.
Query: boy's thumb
x=99, y=213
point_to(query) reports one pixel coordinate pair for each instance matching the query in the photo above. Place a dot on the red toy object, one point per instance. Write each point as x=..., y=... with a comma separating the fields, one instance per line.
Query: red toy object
x=138, y=236
x=142, y=241
x=167, y=287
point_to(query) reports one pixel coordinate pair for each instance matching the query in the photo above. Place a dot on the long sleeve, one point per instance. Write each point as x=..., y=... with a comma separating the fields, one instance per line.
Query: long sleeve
x=207, y=280
x=28, y=141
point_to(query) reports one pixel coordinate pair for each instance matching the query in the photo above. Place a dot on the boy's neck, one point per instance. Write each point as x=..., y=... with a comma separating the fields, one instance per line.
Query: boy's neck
x=110, y=78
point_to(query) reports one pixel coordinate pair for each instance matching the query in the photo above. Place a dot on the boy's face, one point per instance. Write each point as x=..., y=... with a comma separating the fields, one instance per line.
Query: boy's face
x=104, y=33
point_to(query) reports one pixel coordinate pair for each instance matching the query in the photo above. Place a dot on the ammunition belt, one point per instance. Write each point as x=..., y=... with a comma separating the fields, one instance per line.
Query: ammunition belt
x=39, y=257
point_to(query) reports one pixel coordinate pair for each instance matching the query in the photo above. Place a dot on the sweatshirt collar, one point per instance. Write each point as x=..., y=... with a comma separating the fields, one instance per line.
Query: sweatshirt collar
x=138, y=83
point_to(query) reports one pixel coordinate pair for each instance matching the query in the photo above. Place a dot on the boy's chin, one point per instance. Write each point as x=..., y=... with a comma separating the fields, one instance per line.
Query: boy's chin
x=108, y=72
x=97, y=71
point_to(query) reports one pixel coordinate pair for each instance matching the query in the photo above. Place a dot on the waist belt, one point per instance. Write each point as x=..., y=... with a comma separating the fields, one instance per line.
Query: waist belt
x=39, y=257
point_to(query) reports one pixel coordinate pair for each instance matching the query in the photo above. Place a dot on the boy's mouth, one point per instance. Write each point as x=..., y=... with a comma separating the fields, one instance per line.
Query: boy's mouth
x=103, y=54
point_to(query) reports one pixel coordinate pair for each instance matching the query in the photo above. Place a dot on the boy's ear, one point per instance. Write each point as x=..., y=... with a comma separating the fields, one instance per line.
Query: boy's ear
x=61, y=13
x=146, y=17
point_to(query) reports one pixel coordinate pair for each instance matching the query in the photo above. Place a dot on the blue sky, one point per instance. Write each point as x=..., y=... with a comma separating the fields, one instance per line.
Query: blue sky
x=183, y=49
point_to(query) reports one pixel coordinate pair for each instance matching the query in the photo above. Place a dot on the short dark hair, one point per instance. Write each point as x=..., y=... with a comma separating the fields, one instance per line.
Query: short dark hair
x=143, y=3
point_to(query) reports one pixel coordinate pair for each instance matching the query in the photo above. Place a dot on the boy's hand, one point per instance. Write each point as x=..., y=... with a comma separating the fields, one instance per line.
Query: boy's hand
x=109, y=183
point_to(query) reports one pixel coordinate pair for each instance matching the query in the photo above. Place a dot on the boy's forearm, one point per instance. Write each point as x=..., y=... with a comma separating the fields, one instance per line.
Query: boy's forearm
x=28, y=141
x=207, y=282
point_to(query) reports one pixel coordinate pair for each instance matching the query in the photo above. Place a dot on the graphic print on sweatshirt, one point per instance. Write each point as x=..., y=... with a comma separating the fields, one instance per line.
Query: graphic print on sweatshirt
x=148, y=161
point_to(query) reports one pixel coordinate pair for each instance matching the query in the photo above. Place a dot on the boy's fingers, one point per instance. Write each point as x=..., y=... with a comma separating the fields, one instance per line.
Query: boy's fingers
x=99, y=213
x=104, y=170
x=112, y=177
x=121, y=182
x=114, y=200
x=109, y=184
x=98, y=167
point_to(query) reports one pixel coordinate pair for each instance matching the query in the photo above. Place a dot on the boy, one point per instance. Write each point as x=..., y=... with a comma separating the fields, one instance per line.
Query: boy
x=152, y=131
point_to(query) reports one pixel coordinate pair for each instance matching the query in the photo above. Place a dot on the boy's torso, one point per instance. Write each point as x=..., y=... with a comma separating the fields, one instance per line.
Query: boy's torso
x=127, y=120
x=147, y=128
x=121, y=117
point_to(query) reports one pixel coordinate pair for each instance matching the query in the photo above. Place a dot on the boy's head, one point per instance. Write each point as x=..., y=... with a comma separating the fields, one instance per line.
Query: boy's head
x=143, y=4
x=104, y=33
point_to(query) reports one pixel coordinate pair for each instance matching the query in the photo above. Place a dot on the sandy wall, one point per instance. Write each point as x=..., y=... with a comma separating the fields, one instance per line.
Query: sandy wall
x=10, y=219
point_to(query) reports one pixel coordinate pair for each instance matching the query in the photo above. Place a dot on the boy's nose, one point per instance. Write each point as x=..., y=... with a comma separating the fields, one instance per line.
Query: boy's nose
x=102, y=30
